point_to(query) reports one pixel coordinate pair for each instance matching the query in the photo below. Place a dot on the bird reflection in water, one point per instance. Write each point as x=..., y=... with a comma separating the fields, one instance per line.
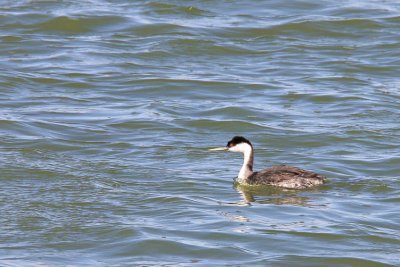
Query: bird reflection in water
x=270, y=195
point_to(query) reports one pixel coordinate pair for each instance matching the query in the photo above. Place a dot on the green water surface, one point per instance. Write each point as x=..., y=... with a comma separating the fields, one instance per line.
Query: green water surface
x=107, y=109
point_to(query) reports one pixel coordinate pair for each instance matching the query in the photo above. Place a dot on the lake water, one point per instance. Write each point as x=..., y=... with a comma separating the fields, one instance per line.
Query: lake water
x=107, y=109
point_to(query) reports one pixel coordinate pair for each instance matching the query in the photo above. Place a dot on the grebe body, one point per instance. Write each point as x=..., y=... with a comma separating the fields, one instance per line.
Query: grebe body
x=280, y=175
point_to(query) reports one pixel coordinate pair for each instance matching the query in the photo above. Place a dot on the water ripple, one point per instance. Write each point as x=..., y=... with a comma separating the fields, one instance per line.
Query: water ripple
x=107, y=111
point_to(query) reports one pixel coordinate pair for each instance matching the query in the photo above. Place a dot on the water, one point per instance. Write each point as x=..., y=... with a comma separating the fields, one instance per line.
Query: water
x=108, y=108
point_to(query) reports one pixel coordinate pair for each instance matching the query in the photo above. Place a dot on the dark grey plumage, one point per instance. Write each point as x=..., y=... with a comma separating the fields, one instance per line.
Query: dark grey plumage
x=287, y=177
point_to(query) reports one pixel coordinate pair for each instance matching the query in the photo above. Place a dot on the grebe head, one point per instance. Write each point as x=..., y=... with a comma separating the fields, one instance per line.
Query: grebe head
x=236, y=144
x=239, y=144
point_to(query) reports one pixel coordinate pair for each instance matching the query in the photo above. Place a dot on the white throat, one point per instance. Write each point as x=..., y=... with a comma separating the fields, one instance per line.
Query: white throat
x=247, y=167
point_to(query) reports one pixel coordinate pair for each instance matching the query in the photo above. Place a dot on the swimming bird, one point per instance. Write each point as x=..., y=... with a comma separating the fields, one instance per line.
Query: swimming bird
x=279, y=175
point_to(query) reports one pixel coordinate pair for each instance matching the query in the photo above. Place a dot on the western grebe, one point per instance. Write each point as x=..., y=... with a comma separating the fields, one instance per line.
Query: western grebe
x=281, y=175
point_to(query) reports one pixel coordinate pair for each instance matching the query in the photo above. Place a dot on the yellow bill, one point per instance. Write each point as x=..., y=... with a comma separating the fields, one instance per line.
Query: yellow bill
x=218, y=149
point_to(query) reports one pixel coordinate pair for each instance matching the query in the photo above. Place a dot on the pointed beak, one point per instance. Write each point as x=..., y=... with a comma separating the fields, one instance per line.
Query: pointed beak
x=218, y=149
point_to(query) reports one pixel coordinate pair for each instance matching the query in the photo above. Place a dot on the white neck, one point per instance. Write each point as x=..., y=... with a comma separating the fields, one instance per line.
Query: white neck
x=247, y=167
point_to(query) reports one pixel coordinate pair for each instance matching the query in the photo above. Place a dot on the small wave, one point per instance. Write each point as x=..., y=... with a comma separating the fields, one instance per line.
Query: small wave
x=171, y=9
x=227, y=125
x=152, y=29
x=79, y=24
x=328, y=260
x=335, y=28
x=11, y=39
